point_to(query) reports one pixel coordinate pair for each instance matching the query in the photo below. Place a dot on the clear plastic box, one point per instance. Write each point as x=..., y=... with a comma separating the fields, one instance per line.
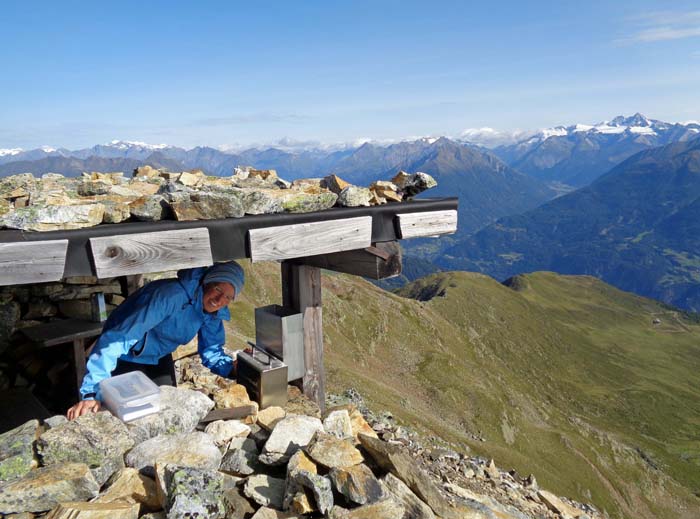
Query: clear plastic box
x=130, y=396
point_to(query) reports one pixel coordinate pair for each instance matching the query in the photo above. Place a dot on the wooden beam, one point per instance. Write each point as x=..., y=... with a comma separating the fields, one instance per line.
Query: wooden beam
x=310, y=239
x=381, y=261
x=150, y=252
x=429, y=223
x=301, y=290
x=32, y=262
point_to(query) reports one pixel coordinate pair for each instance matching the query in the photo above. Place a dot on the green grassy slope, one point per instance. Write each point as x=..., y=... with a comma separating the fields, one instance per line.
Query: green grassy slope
x=564, y=376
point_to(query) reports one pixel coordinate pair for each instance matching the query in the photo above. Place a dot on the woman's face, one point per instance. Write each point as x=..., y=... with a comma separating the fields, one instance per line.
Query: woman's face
x=216, y=296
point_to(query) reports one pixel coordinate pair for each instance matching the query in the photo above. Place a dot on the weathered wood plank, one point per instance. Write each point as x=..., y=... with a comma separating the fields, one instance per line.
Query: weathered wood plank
x=309, y=239
x=302, y=291
x=32, y=262
x=429, y=223
x=231, y=413
x=381, y=261
x=150, y=252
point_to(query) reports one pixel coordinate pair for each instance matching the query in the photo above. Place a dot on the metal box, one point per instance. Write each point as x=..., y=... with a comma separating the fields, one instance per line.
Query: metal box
x=264, y=377
x=280, y=330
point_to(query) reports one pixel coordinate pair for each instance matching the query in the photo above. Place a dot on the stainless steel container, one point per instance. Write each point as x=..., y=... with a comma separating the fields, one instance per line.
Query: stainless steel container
x=280, y=331
x=264, y=377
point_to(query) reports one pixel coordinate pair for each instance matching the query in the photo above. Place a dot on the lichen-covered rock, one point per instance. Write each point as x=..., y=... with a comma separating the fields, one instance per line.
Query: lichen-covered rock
x=319, y=486
x=357, y=484
x=44, y=488
x=260, y=201
x=53, y=217
x=354, y=196
x=193, y=492
x=412, y=184
x=180, y=412
x=17, y=451
x=288, y=436
x=207, y=206
x=332, y=452
x=195, y=449
x=94, y=187
x=150, y=208
x=55, y=421
x=241, y=459
x=265, y=490
x=301, y=202
x=338, y=424
x=97, y=439
x=115, y=212
x=397, y=489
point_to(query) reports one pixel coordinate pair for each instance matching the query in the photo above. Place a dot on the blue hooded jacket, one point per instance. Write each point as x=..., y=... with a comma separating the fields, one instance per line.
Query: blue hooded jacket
x=153, y=322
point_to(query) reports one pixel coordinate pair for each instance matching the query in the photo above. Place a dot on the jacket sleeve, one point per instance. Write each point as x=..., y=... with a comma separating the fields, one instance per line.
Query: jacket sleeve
x=211, y=340
x=125, y=328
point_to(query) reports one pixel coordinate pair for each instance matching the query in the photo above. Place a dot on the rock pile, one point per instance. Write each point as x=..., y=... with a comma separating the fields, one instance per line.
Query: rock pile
x=54, y=202
x=272, y=463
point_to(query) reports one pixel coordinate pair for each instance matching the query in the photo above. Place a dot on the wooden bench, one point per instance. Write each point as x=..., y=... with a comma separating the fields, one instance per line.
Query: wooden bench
x=67, y=331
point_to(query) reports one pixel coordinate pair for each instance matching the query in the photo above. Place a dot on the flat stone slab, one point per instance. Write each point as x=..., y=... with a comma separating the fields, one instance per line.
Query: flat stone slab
x=288, y=436
x=44, y=488
x=332, y=452
x=265, y=490
x=196, y=450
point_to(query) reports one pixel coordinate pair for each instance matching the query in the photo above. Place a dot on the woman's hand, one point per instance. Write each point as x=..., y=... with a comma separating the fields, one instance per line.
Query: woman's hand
x=83, y=407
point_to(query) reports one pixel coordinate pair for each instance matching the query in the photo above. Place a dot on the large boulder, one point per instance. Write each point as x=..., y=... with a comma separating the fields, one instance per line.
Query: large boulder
x=44, y=488
x=97, y=439
x=17, y=451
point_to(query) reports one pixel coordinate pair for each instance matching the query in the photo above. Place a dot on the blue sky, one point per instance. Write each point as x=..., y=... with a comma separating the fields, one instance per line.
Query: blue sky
x=75, y=74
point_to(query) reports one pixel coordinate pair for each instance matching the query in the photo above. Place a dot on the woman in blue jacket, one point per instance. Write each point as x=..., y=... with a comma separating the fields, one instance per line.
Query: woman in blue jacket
x=144, y=330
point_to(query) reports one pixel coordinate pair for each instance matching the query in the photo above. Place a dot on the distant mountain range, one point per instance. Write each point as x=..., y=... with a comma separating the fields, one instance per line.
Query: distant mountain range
x=487, y=187
x=578, y=154
x=636, y=227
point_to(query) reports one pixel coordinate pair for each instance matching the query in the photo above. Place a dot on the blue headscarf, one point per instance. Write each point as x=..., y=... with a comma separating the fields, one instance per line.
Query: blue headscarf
x=229, y=272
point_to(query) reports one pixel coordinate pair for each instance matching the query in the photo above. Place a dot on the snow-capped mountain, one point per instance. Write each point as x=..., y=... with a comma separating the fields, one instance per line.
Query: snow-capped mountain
x=578, y=154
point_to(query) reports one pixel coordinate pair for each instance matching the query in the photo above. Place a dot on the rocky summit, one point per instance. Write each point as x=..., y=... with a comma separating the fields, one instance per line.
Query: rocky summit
x=54, y=202
x=341, y=464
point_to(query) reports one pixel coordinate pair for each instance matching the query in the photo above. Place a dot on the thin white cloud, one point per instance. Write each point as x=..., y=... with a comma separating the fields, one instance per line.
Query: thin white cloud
x=662, y=26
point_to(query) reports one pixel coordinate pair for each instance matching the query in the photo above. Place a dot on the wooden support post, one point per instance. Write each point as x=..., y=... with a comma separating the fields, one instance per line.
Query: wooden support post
x=133, y=283
x=380, y=261
x=301, y=290
x=79, y=361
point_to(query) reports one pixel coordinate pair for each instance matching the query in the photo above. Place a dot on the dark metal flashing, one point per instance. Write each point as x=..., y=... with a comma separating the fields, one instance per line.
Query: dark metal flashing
x=228, y=236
